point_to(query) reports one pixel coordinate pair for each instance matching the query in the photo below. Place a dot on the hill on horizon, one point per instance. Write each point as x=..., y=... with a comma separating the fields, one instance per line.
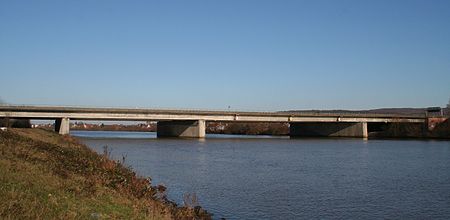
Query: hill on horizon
x=396, y=111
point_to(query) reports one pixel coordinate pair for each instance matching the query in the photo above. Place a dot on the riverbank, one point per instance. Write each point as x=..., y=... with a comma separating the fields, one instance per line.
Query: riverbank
x=47, y=176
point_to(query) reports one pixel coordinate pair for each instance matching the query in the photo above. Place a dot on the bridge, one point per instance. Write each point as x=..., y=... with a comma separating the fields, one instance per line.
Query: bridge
x=192, y=123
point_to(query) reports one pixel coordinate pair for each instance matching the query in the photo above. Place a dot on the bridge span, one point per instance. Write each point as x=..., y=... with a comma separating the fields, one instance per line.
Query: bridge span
x=191, y=123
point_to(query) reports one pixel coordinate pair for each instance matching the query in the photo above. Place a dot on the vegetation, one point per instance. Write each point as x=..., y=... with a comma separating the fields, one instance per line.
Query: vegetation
x=15, y=123
x=448, y=107
x=442, y=130
x=47, y=176
x=248, y=128
x=114, y=127
x=410, y=130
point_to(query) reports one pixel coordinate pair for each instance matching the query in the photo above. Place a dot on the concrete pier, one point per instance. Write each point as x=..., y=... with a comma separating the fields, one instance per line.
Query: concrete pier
x=62, y=125
x=188, y=129
x=329, y=129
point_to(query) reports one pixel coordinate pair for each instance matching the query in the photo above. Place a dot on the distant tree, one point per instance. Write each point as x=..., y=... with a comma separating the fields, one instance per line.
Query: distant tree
x=448, y=108
x=2, y=102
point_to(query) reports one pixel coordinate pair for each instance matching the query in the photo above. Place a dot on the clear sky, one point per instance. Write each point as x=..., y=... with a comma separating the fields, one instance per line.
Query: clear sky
x=250, y=55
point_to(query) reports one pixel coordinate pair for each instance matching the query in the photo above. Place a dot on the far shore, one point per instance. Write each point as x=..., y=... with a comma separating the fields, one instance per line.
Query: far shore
x=393, y=130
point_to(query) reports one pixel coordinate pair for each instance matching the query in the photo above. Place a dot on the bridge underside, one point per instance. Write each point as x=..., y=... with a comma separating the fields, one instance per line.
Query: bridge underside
x=329, y=129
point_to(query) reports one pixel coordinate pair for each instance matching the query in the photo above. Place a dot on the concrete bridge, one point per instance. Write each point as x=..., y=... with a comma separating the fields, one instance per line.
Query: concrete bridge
x=191, y=123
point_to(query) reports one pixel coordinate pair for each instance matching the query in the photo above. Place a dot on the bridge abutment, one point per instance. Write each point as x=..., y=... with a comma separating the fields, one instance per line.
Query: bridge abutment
x=187, y=129
x=62, y=125
x=328, y=129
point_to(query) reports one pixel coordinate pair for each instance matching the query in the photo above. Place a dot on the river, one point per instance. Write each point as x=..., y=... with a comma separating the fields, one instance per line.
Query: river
x=249, y=177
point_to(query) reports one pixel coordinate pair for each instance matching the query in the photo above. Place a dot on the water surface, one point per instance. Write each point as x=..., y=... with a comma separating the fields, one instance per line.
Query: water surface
x=247, y=177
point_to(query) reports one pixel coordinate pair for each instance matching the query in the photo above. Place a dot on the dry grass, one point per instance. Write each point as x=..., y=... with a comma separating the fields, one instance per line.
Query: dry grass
x=47, y=176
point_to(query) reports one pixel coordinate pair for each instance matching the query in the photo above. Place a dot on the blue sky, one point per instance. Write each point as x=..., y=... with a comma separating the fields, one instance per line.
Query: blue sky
x=250, y=55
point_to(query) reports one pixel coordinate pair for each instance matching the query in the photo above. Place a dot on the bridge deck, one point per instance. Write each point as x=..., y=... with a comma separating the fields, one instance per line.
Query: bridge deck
x=79, y=113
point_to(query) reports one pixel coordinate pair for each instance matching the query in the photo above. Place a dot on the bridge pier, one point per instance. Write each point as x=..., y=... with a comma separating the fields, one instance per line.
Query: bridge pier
x=328, y=129
x=188, y=129
x=62, y=125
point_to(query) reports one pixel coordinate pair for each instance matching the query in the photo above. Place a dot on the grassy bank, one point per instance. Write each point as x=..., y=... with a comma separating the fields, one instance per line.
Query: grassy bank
x=46, y=176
